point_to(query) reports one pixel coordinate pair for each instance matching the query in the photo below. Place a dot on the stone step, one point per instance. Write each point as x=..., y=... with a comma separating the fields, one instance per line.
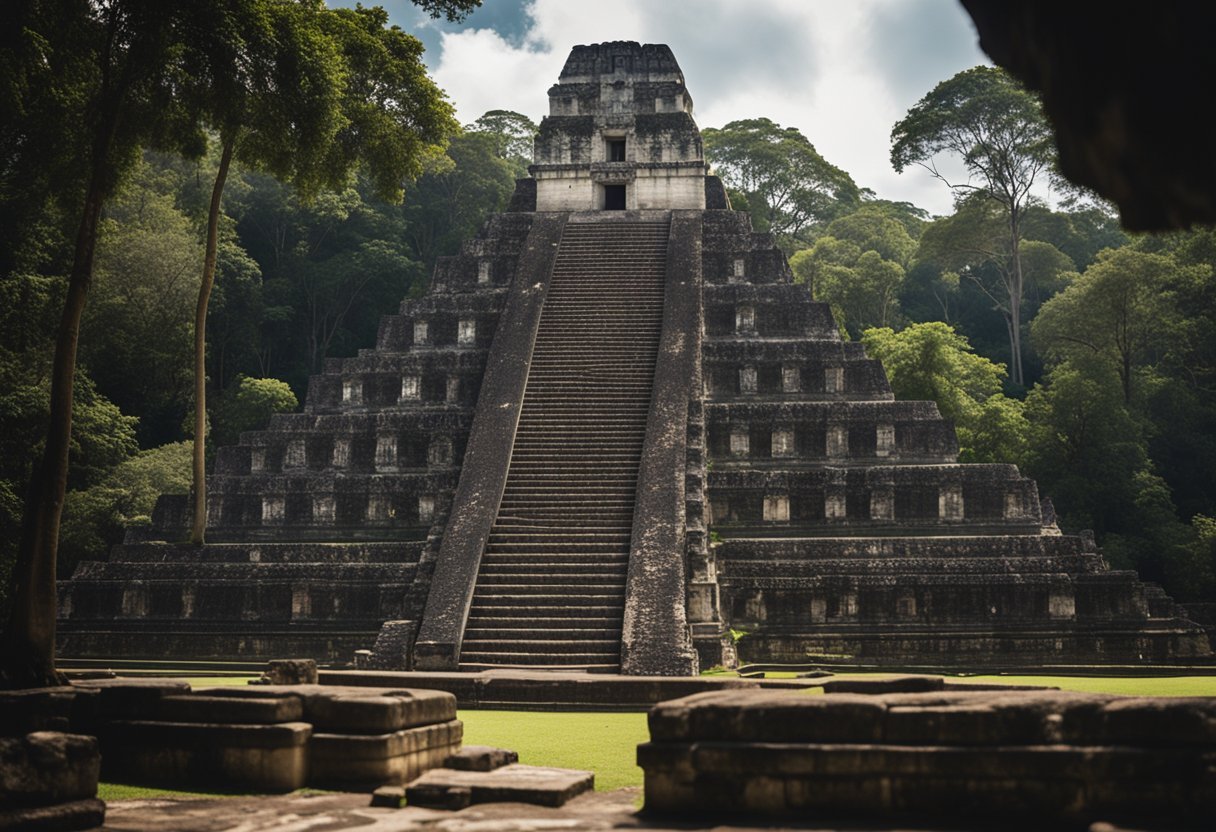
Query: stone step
x=574, y=589
x=491, y=581
x=618, y=513
x=604, y=662
x=545, y=647
x=501, y=630
x=565, y=535
x=610, y=522
x=602, y=602
x=543, y=559
x=539, y=612
x=583, y=563
x=543, y=620
x=617, y=550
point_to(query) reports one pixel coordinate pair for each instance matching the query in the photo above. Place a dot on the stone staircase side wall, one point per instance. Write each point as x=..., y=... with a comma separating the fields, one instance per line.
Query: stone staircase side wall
x=655, y=640
x=488, y=452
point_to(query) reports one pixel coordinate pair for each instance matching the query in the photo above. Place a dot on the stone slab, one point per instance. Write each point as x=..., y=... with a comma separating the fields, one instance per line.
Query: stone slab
x=893, y=684
x=257, y=757
x=230, y=709
x=355, y=710
x=578, y=691
x=74, y=815
x=101, y=700
x=480, y=758
x=389, y=797
x=398, y=757
x=515, y=783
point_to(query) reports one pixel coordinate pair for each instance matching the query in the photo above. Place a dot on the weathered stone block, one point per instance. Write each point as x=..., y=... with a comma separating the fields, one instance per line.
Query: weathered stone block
x=230, y=710
x=1044, y=755
x=514, y=783
x=59, y=817
x=270, y=757
x=389, y=797
x=337, y=709
x=397, y=757
x=480, y=758
x=48, y=767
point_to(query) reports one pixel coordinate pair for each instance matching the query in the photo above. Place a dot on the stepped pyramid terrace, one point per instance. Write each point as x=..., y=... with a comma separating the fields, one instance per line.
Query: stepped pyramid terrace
x=526, y=468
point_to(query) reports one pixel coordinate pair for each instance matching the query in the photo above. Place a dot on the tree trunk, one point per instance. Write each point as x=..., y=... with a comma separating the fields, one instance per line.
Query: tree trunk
x=198, y=525
x=1016, y=290
x=27, y=655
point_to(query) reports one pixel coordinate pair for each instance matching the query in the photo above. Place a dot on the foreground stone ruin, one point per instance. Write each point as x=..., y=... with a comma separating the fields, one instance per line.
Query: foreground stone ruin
x=48, y=781
x=1049, y=756
x=264, y=738
x=612, y=431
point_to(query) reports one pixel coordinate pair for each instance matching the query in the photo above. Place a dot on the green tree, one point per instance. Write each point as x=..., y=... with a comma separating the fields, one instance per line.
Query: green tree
x=448, y=203
x=249, y=405
x=1080, y=233
x=1123, y=310
x=118, y=78
x=972, y=246
x=788, y=186
x=876, y=228
x=930, y=361
x=857, y=267
x=331, y=267
x=318, y=93
x=1085, y=445
x=513, y=134
x=997, y=128
x=136, y=338
x=95, y=518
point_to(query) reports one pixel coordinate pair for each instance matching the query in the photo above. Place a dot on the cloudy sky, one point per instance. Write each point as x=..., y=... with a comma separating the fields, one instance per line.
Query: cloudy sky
x=841, y=72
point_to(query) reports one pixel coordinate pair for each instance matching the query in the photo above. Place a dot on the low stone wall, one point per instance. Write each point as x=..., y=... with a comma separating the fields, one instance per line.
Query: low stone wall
x=1050, y=756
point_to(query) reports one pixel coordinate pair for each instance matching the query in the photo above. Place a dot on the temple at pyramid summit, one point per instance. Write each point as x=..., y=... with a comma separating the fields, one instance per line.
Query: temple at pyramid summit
x=611, y=433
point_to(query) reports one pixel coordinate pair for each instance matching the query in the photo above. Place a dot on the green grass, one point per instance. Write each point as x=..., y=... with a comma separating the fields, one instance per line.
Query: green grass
x=605, y=743
x=1126, y=685
x=122, y=791
x=1123, y=685
x=214, y=681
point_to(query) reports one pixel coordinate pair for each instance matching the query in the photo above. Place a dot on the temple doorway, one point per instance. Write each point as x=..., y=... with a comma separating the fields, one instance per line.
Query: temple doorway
x=614, y=197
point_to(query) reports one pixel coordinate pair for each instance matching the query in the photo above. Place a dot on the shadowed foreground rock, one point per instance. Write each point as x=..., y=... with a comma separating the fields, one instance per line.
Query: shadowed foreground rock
x=48, y=781
x=1048, y=756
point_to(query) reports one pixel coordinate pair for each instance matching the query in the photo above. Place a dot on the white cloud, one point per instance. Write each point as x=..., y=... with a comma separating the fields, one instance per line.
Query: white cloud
x=839, y=72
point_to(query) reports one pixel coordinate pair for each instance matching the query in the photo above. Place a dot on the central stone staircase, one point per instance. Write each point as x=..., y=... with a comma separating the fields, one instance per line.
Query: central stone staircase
x=551, y=587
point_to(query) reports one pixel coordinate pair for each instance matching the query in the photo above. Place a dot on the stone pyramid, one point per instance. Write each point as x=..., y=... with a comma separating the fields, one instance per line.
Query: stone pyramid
x=527, y=468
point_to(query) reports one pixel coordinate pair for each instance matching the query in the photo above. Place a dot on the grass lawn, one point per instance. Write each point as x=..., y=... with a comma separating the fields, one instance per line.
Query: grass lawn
x=215, y=681
x=1126, y=685
x=605, y=743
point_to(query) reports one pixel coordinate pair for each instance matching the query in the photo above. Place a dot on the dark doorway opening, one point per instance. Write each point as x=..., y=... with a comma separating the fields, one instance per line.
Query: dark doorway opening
x=616, y=150
x=614, y=197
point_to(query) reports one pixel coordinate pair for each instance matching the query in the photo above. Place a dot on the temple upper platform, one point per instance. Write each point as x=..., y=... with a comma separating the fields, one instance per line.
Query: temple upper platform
x=620, y=134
